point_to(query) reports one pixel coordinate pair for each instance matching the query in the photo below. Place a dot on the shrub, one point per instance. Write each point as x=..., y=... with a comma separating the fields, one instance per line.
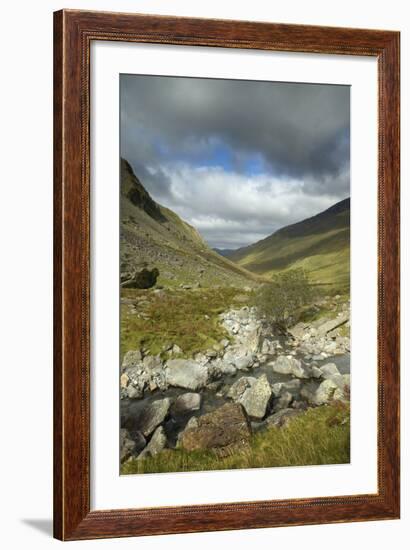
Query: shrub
x=281, y=300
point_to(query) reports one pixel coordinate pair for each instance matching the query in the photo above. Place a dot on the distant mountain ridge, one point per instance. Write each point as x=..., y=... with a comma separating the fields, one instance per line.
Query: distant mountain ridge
x=320, y=244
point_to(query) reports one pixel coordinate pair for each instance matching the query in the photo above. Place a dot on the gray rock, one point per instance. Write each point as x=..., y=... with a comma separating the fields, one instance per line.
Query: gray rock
x=244, y=362
x=315, y=372
x=186, y=373
x=284, y=401
x=131, y=359
x=325, y=392
x=127, y=445
x=156, y=445
x=277, y=388
x=330, y=325
x=187, y=402
x=289, y=365
x=239, y=387
x=151, y=362
x=256, y=398
x=134, y=392
x=154, y=415
x=328, y=370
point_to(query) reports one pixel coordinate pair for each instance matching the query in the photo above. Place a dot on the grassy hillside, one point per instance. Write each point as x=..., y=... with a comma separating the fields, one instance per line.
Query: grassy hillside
x=154, y=236
x=320, y=245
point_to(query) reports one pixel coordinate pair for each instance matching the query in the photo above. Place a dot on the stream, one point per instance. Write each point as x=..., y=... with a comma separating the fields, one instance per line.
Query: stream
x=212, y=399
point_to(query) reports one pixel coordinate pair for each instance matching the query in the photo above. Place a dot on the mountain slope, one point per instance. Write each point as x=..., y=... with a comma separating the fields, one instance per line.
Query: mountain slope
x=155, y=236
x=320, y=244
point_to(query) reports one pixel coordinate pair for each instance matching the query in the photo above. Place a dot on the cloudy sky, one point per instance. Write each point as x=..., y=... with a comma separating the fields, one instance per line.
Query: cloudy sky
x=237, y=159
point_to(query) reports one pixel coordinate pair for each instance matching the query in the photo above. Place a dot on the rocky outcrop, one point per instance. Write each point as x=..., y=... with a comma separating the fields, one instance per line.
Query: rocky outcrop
x=222, y=430
x=186, y=373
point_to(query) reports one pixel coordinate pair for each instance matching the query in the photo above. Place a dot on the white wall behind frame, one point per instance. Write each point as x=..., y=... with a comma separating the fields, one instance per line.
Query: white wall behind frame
x=26, y=176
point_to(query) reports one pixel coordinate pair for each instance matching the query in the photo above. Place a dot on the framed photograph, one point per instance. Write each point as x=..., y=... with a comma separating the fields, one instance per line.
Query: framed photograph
x=226, y=275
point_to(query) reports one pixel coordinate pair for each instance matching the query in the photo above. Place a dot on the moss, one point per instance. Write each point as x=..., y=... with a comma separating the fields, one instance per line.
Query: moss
x=188, y=318
x=319, y=436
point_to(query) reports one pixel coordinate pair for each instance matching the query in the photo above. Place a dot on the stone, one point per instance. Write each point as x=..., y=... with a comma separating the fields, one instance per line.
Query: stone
x=132, y=358
x=124, y=380
x=315, y=372
x=225, y=429
x=331, y=324
x=134, y=392
x=151, y=362
x=298, y=331
x=244, y=362
x=153, y=415
x=325, y=392
x=308, y=393
x=187, y=402
x=277, y=388
x=328, y=370
x=256, y=398
x=239, y=387
x=186, y=373
x=289, y=365
x=284, y=401
x=268, y=347
x=282, y=418
x=226, y=368
x=157, y=444
x=127, y=445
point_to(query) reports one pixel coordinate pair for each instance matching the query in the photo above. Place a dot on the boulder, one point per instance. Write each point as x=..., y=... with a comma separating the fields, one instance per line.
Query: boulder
x=238, y=356
x=157, y=444
x=127, y=445
x=329, y=370
x=286, y=364
x=325, y=392
x=134, y=392
x=151, y=362
x=187, y=402
x=331, y=324
x=186, y=373
x=256, y=398
x=283, y=402
x=223, y=430
x=132, y=358
x=153, y=415
x=244, y=362
x=239, y=387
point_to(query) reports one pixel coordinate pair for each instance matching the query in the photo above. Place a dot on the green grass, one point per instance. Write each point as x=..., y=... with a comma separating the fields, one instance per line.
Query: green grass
x=188, y=318
x=319, y=436
x=320, y=245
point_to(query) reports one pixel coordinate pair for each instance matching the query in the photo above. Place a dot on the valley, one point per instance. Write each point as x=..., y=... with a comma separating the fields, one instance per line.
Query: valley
x=207, y=381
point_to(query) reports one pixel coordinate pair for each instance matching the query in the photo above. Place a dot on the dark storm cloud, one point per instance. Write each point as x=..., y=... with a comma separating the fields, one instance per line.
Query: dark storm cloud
x=191, y=141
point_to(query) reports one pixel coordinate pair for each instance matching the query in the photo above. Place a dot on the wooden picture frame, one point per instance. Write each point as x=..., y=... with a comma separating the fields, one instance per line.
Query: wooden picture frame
x=74, y=32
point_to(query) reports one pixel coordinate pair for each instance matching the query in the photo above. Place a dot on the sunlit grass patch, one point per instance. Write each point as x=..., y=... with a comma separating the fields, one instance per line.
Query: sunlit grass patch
x=188, y=318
